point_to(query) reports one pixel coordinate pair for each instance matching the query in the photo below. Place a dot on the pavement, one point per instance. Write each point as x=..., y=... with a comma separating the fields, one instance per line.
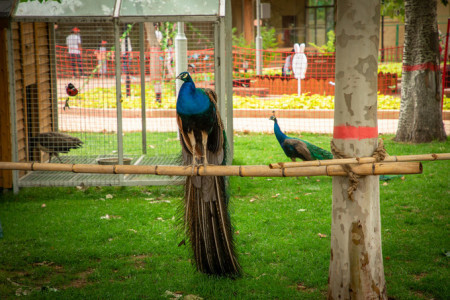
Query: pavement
x=297, y=125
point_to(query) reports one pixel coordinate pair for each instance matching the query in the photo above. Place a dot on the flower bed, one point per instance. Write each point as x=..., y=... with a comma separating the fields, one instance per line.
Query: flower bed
x=105, y=98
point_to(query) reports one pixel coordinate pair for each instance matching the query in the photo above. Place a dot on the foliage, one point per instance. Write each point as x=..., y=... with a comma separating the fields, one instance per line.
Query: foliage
x=330, y=45
x=168, y=32
x=239, y=40
x=393, y=9
x=268, y=35
x=269, y=39
x=396, y=8
x=105, y=98
x=307, y=101
x=121, y=242
x=393, y=68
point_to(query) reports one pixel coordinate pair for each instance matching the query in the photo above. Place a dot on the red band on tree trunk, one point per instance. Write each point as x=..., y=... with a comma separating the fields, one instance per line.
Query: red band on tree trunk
x=345, y=132
x=425, y=66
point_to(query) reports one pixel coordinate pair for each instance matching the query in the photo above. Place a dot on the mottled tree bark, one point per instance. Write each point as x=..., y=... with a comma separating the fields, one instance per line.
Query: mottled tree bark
x=420, y=118
x=356, y=263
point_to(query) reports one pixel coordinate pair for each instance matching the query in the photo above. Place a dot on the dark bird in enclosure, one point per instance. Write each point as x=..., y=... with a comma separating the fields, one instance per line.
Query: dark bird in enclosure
x=54, y=143
x=72, y=91
x=296, y=148
x=206, y=217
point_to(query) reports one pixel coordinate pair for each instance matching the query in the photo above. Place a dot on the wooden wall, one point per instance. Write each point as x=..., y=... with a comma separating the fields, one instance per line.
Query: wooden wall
x=33, y=97
x=5, y=118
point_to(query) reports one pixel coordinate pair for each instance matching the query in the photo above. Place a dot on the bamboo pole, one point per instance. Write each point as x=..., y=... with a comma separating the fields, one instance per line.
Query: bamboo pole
x=212, y=170
x=361, y=160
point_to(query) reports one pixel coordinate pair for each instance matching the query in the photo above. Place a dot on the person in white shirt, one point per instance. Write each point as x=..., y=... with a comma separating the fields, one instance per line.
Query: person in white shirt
x=168, y=58
x=73, y=42
x=158, y=33
x=101, y=58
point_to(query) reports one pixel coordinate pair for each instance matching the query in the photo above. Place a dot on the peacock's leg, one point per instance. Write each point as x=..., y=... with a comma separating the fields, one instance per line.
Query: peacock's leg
x=204, y=142
x=194, y=155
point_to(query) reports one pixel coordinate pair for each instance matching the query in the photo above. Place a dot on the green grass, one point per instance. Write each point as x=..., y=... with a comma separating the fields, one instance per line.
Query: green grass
x=65, y=250
x=158, y=143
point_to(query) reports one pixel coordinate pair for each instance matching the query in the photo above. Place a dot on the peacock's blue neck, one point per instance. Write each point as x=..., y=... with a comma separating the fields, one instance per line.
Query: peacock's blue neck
x=278, y=133
x=191, y=100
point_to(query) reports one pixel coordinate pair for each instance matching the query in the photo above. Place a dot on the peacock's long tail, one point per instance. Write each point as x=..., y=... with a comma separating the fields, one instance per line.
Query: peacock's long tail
x=208, y=226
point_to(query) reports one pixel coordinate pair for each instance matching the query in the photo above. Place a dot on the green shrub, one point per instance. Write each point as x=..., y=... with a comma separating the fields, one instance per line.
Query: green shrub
x=393, y=68
x=105, y=98
x=329, y=46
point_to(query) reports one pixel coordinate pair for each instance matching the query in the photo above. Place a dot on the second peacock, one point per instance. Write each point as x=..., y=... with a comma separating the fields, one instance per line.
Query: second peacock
x=297, y=148
x=206, y=217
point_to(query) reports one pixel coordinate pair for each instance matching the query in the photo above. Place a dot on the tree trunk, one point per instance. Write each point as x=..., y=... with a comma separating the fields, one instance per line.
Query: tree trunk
x=420, y=118
x=356, y=262
x=248, y=18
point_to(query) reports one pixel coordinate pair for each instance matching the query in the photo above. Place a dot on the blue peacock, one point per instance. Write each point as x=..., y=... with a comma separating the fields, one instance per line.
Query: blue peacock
x=206, y=218
x=296, y=148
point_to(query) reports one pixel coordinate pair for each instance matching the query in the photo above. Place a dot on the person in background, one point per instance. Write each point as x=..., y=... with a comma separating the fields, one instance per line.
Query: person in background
x=158, y=33
x=73, y=42
x=191, y=68
x=168, y=59
x=101, y=58
x=287, y=68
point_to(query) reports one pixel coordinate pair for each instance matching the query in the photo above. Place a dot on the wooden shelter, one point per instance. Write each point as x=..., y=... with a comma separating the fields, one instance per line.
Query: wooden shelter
x=37, y=68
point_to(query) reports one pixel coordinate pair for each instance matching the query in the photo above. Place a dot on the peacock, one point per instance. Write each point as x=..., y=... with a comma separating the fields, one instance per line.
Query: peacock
x=297, y=148
x=206, y=218
x=54, y=143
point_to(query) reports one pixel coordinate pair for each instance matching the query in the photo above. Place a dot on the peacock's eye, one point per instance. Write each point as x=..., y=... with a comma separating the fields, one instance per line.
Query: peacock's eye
x=184, y=75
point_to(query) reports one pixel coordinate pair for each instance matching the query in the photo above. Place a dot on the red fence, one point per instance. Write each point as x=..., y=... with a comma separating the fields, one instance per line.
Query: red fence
x=251, y=113
x=201, y=60
x=276, y=79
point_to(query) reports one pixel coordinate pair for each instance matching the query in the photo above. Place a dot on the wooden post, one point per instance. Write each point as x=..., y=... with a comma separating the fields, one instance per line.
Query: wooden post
x=6, y=178
x=213, y=170
x=248, y=20
x=356, y=262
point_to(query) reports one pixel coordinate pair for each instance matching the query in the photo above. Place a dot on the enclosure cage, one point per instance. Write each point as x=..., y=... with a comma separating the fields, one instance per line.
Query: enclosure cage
x=104, y=72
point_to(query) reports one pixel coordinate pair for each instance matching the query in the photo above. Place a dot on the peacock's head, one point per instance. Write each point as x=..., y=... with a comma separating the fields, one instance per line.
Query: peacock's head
x=272, y=117
x=184, y=76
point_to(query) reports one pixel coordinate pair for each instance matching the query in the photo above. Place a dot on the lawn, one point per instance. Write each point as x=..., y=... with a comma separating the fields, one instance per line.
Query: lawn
x=122, y=242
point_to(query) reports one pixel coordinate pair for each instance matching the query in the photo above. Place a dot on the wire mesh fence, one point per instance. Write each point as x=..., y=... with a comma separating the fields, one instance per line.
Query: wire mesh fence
x=82, y=77
x=76, y=93
x=305, y=106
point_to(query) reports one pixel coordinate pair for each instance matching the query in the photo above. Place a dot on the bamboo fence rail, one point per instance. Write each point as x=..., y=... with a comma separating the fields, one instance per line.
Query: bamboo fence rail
x=361, y=160
x=212, y=170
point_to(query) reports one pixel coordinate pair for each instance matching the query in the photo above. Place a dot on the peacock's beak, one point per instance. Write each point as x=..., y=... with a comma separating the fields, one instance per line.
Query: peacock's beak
x=178, y=77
